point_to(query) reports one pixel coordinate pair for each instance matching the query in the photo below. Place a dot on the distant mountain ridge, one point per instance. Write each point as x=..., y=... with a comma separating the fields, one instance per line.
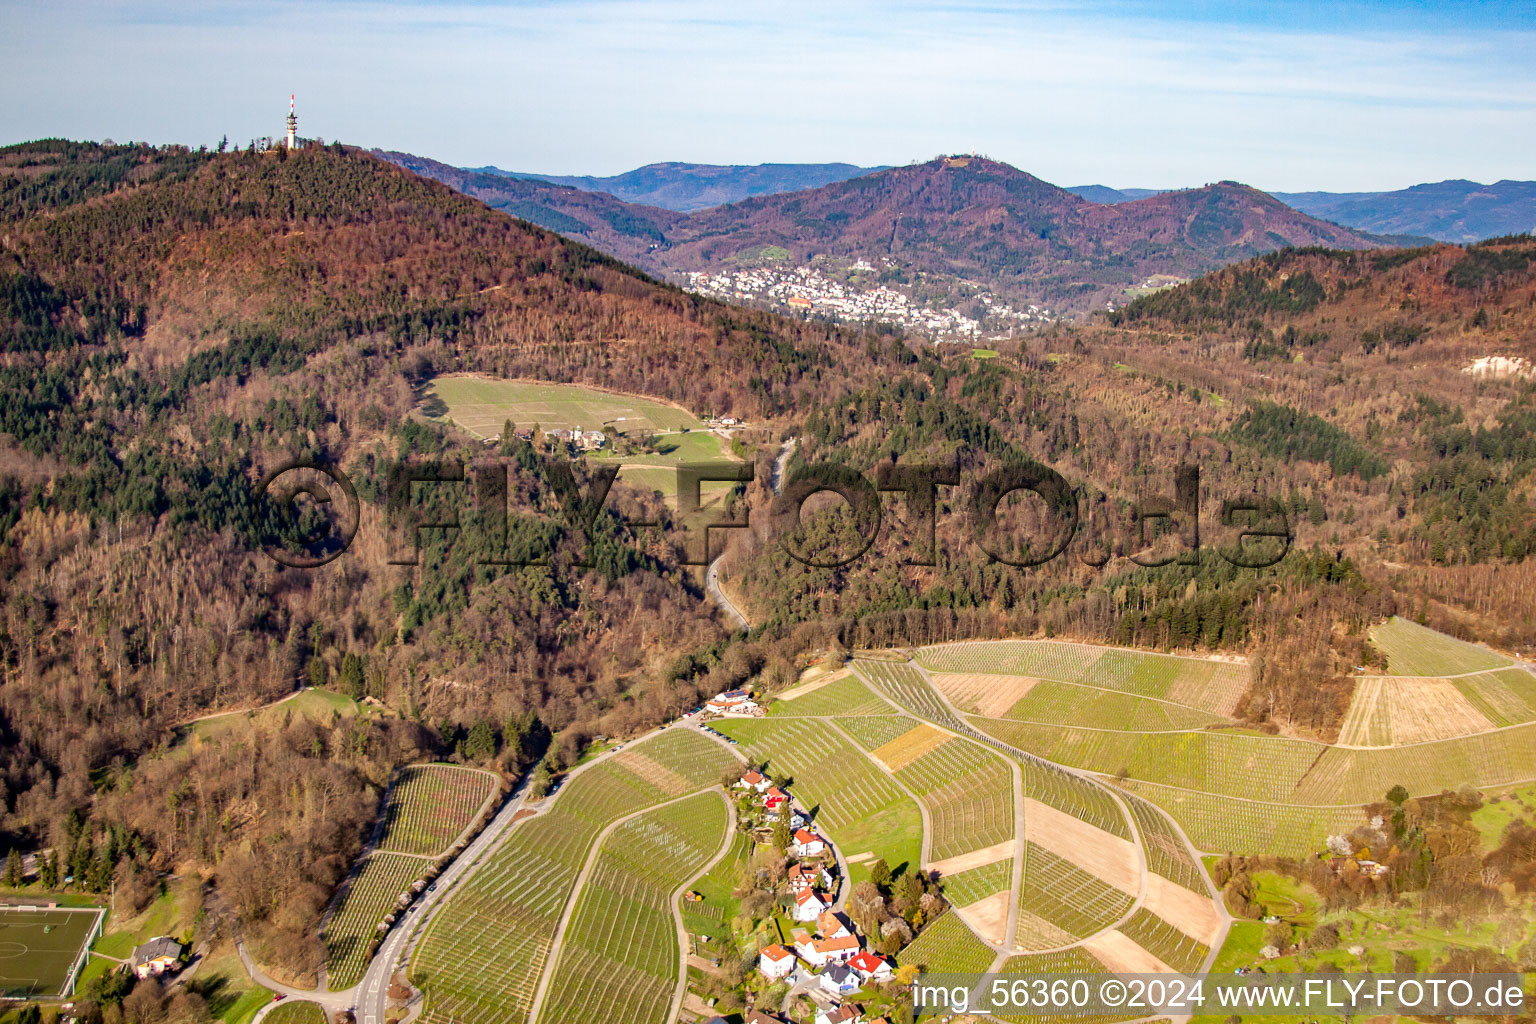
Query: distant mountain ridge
x=940, y=228
x=686, y=187
x=1448, y=211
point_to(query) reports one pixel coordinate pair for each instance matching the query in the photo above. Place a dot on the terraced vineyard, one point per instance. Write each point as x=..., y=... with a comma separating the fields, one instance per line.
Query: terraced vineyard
x=483, y=954
x=1066, y=961
x=966, y=887
x=1075, y=796
x=1165, y=942
x=1218, y=825
x=1040, y=659
x=430, y=805
x=969, y=794
x=846, y=696
x=1505, y=696
x=862, y=810
x=873, y=731
x=1064, y=901
x=1056, y=703
x=1166, y=853
x=948, y=946
x=371, y=894
x=1212, y=686
x=905, y=685
x=713, y=914
x=1415, y=650
x=620, y=960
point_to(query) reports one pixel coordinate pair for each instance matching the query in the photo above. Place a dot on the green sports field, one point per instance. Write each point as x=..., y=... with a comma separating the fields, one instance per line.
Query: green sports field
x=38, y=948
x=482, y=407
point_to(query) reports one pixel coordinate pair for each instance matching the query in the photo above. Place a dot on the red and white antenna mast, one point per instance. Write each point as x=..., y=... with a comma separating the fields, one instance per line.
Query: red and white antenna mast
x=293, y=125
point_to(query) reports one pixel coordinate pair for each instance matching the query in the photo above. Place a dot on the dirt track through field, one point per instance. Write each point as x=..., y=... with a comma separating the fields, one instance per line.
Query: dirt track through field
x=981, y=693
x=1107, y=857
x=975, y=859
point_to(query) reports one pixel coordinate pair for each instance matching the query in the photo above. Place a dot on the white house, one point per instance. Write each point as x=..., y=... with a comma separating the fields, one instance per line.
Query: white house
x=809, y=904
x=775, y=962
x=820, y=952
x=807, y=844
x=755, y=781
x=840, y=980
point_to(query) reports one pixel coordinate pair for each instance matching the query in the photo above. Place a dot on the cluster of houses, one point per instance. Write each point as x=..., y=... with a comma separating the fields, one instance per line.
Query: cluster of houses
x=833, y=949
x=806, y=289
x=586, y=440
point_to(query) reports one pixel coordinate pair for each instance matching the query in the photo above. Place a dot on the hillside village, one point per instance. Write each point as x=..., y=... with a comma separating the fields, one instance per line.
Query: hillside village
x=808, y=290
x=827, y=961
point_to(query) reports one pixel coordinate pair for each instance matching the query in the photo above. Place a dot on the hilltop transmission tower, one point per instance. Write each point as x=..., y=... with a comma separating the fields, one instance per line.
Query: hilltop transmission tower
x=293, y=125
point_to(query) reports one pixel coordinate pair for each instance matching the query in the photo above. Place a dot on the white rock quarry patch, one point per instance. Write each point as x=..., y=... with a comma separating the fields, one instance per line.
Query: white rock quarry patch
x=1500, y=366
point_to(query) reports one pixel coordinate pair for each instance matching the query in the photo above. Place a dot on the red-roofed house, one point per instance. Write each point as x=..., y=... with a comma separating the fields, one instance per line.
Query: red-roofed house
x=775, y=962
x=807, y=844
x=755, y=781
x=774, y=798
x=832, y=926
x=871, y=967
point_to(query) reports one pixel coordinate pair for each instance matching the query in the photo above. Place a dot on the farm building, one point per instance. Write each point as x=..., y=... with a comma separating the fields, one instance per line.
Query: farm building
x=732, y=702
x=156, y=957
x=844, y=1014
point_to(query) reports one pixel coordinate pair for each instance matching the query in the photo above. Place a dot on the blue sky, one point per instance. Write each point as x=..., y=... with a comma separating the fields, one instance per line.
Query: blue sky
x=1286, y=95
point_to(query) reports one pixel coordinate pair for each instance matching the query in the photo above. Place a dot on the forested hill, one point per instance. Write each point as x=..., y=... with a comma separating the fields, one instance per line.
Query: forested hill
x=172, y=323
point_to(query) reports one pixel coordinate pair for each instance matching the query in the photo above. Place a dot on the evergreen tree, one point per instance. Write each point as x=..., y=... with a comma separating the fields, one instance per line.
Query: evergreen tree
x=13, y=869
x=350, y=678
x=481, y=742
x=781, y=833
